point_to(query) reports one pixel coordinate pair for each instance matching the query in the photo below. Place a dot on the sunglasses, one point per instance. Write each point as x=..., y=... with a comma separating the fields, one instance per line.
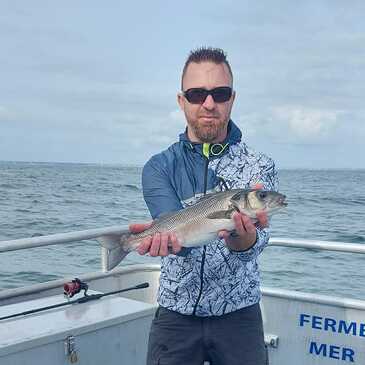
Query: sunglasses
x=198, y=95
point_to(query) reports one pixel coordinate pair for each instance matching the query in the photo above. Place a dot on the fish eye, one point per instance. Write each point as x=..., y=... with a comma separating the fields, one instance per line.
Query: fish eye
x=262, y=194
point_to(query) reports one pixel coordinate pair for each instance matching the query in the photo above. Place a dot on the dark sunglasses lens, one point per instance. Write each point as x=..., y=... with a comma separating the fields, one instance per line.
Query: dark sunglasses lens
x=196, y=96
x=221, y=94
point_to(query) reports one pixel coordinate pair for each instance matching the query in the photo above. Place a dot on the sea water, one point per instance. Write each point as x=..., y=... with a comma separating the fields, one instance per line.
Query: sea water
x=46, y=198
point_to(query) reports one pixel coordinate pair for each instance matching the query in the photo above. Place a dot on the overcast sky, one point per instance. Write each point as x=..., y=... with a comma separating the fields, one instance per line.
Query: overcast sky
x=93, y=81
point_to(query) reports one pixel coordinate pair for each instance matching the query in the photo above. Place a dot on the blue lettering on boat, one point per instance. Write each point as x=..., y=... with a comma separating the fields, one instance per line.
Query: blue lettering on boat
x=347, y=329
x=332, y=325
x=332, y=351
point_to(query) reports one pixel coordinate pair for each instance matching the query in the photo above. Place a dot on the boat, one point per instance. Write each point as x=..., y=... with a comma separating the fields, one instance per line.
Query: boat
x=112, y=328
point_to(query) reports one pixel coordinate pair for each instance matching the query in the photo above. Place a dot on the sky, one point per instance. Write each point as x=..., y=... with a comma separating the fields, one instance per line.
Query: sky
x=96, y=82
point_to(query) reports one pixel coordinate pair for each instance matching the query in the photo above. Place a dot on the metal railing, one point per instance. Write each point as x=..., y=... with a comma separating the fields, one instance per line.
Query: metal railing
x=62, y=238
x=59, y=238
x=66, y=238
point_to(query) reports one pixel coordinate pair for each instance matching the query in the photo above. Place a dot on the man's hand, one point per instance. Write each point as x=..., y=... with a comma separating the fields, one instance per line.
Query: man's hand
x=158, y=244
x=245, y=231
x=245, y=234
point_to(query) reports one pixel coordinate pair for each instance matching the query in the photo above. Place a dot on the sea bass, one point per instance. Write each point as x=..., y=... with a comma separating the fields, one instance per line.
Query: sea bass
x=197, y=224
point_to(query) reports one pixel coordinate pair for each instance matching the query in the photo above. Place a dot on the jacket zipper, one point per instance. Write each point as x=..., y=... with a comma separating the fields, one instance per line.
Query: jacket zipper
x=204, y=247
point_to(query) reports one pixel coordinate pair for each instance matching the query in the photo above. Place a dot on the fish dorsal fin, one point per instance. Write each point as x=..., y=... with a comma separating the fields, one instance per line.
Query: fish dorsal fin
x=204, y=197
x=221, y=214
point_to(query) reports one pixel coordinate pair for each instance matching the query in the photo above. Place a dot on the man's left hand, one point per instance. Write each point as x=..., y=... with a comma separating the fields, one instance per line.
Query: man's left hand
x=245, y=235
x=245, y=231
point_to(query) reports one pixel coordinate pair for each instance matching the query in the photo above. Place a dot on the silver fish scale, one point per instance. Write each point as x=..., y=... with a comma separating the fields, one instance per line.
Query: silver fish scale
x=194, y=213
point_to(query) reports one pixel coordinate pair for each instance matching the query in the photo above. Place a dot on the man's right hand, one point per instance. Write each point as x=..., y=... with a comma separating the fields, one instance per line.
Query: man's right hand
x=160, y=244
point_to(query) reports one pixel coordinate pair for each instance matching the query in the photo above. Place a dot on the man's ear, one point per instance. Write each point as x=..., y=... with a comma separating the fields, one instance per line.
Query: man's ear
x=233, y=96
x=180, y=100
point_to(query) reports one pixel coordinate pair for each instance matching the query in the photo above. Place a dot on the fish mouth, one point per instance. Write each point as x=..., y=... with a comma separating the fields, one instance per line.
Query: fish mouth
x=278, y=204
x=282, y=202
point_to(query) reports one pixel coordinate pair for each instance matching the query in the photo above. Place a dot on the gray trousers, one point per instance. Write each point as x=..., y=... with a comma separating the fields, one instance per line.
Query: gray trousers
x=235, y=338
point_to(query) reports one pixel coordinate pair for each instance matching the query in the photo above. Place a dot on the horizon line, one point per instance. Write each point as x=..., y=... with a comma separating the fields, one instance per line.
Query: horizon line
x=128, y=164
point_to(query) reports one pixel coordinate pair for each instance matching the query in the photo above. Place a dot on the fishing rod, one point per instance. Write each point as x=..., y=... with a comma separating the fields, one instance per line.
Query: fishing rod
x=70, y=289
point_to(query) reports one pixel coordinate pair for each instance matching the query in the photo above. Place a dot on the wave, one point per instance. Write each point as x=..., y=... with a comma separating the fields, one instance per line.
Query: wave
x=132, y=187
x=12, y=186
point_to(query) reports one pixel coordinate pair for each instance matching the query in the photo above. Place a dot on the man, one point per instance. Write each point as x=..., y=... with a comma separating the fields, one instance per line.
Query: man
x=208, y=296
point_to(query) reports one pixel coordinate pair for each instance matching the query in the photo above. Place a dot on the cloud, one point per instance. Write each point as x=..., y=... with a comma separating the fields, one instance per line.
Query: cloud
x=147, y=129
x=293, y=124
x=306, y=123
x=7, y=115
x=79, y=90
x=177, y=116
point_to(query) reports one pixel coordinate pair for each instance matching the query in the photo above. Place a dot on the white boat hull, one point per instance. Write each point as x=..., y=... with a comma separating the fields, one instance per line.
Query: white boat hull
x=300, y=328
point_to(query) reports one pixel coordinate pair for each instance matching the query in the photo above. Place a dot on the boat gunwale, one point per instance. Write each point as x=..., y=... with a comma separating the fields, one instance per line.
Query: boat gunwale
x=95, y=275
x=334, y=301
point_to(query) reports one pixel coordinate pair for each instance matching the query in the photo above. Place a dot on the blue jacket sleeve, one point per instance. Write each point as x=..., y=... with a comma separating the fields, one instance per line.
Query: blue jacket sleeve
x=158, y=192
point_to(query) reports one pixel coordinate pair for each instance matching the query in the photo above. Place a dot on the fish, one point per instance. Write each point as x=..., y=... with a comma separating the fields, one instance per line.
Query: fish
x=196, y=224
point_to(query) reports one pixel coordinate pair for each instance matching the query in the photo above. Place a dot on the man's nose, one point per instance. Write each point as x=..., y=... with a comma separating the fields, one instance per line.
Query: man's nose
x=209, y=103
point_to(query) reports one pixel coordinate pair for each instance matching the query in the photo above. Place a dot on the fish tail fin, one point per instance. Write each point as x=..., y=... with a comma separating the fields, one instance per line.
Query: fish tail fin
x=113, y=249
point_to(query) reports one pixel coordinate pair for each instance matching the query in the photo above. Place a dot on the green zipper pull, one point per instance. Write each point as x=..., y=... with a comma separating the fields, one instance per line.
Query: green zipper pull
x=206, y=150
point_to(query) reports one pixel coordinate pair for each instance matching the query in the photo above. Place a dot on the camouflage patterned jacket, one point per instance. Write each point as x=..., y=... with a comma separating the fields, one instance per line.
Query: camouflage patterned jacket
x=209, y=280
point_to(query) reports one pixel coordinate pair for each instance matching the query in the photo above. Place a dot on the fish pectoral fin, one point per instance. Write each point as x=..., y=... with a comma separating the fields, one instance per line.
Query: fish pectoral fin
x=221, y=214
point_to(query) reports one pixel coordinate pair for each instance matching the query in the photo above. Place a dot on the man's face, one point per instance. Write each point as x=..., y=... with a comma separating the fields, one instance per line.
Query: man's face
x=207, y=122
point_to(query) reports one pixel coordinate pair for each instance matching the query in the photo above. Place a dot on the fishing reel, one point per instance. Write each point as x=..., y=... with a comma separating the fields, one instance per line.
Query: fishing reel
x=74, y=287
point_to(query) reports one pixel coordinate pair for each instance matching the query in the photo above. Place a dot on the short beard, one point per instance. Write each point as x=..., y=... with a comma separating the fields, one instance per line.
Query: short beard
x=208, y=135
